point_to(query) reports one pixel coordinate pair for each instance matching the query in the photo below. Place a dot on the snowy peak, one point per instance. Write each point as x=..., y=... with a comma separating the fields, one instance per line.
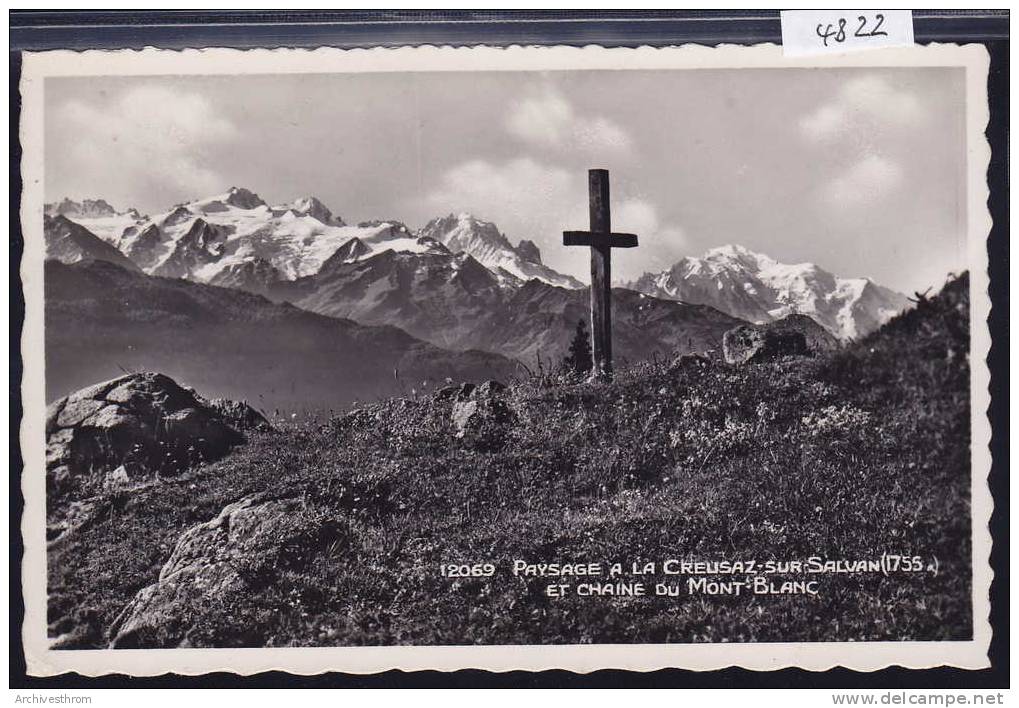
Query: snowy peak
x=202, y=244
x=430, y=245
x=313, y=207
x=236, y=238
x=178, y=215
x=730, y=250
x=465, y=233
x=142, y=244
x=88, y=208
x=243, y=198
x=529, y=251
x=389, y=239
x=236, y=199
x=735, y=254
x=352, y=251
x=97, y=216
x=757, y=288
x=70, y=242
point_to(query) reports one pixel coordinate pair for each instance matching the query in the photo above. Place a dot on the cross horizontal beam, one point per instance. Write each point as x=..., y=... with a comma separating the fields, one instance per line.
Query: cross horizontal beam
x=599, y=240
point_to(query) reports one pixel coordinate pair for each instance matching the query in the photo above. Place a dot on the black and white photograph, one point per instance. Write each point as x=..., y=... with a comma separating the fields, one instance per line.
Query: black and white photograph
x=544, y=350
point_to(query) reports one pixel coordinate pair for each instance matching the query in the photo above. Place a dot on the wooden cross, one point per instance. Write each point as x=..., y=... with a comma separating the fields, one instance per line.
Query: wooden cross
x=601, y=240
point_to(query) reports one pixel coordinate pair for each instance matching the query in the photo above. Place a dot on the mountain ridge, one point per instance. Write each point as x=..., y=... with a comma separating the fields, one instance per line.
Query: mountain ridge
x=455, y=302
x=238, y=240
x=760, y=289
x=482, y=239
x=102, y=319
x=70, y=242
x=296, y=239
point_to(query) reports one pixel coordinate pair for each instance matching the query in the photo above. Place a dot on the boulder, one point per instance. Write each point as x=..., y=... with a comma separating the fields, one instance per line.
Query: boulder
x=753, y=344
x=793, y=335
x=487, y=390
x=689, y=362
x=458, y=392
x=239, y=552
x=819, y=340
x=481, y=416
x=135, y=427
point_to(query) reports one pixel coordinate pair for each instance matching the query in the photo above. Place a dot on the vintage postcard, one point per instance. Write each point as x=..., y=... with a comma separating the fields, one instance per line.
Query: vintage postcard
x=504, y=358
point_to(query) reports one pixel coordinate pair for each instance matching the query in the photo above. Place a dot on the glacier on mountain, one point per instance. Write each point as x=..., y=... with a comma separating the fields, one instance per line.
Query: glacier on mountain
x=465, y=233
x=237, y=239
x=759, y=289
x=210, y=239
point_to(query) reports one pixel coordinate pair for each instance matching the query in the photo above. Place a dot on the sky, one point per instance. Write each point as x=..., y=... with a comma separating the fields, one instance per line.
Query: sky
x=861, y=171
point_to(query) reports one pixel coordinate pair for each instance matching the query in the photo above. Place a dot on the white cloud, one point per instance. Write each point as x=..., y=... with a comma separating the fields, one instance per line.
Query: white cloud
x=548, y=120
x=635, y=215
x=870, y=180
x=148, y=134
x=533, y=192
x=824, y=122
x=864, y=103
x=528, y=199
x=661, y=245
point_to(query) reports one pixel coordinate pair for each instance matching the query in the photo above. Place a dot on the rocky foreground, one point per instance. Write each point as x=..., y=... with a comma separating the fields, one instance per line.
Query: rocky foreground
x=177, y=521
x=131, y=432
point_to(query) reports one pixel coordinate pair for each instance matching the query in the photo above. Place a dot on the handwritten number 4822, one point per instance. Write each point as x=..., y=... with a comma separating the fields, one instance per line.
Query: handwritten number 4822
x=839, y=35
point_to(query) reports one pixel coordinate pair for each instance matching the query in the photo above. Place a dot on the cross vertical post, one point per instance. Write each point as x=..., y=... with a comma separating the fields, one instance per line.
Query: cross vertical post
x=601, y=241
x=601, y=274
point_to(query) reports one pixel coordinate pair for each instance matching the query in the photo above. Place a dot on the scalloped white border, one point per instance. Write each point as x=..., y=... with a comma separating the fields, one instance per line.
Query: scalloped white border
x=580, y=658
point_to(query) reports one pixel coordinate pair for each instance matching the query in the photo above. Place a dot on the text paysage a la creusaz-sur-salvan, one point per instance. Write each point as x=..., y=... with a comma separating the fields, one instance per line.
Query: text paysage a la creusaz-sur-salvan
x=675, y=577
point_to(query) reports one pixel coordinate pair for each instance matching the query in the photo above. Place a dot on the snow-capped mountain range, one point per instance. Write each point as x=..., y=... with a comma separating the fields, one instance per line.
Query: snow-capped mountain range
x=231, y=236
x=759, y=289
x=463, y=233
x=237, y=240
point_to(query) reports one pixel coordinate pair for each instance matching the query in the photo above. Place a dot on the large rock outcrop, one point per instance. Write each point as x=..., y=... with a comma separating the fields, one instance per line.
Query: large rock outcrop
x=795, y=335
x=818, y=339
x=749, y=344
x=136, y=427
x=235, y=554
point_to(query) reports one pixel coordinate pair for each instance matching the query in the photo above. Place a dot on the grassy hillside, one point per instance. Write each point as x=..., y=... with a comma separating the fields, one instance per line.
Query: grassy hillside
x=857, y=453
